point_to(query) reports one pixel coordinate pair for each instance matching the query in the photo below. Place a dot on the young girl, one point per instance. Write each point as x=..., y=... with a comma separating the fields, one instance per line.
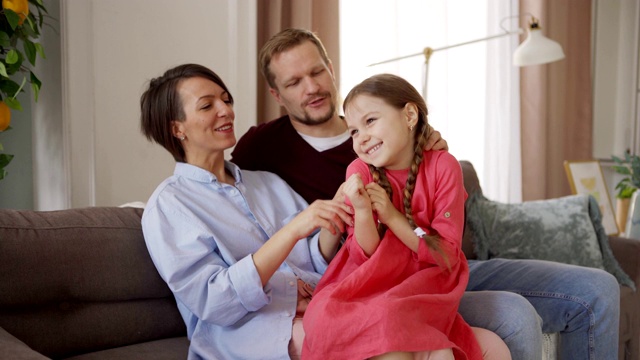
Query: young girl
x=394, y=288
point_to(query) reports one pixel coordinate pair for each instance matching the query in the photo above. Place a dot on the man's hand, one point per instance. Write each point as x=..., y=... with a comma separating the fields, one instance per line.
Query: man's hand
x=435, y=141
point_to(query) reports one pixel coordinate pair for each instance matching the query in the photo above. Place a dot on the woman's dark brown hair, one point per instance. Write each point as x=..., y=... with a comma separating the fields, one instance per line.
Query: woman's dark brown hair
x=398, y=92
x=161, y=104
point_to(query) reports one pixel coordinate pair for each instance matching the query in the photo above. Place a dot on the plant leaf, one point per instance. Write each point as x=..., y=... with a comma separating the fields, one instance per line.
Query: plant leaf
x=3, y=70
x=5, y=159
x=36, y=84
x=24, y=81
x=12, y=18
x=626, y=192
x=4, y=39
x=12, y=56
x=624, y=170
x=15, y=67
x=13, y=103
x=40, y=50
x=30, y=51
x=8, y=86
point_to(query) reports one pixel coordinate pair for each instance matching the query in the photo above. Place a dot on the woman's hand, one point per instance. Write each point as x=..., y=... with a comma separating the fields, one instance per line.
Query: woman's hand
x=330, y=215
x=327, y=214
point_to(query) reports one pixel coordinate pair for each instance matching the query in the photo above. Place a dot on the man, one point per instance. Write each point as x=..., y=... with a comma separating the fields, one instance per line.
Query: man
x=310, y=149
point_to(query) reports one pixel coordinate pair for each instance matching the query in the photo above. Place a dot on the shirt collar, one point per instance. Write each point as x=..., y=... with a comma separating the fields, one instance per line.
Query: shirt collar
x=199, y=174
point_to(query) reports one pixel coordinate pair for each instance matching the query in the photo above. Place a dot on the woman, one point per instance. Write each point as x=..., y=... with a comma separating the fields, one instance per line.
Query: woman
x=239, y=249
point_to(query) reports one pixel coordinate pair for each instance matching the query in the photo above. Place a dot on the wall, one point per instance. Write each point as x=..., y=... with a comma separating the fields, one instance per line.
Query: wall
x=87, y=143
x=616, y=83
x=615, y=77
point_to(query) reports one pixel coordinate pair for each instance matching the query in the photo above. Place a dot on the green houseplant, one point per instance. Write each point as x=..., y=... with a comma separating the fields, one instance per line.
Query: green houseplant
x=625, y=188
x=630, y=167
x=21, y=23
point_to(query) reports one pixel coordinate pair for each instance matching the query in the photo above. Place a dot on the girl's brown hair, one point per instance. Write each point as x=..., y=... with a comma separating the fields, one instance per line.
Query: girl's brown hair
x=398, y=92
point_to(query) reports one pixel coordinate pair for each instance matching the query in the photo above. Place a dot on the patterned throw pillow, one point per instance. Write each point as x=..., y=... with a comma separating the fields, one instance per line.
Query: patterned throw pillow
x=567, y=230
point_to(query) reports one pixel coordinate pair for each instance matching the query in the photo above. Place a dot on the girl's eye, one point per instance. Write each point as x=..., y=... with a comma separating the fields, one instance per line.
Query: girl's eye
x=206, y=106
x=370, y=120
x=228, y=101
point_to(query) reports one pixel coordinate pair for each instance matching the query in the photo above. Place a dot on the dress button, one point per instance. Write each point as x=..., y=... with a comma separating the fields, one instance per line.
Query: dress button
x=447, y=214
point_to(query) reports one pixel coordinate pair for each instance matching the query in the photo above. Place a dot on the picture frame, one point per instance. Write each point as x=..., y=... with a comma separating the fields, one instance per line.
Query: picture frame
x=632, y=228
x=585, y=177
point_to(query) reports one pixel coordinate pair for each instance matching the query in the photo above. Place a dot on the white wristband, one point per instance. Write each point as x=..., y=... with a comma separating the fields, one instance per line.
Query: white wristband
x=418, y=231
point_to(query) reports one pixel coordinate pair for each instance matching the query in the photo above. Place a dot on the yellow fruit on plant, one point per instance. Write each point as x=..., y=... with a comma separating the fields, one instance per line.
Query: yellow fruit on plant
x=20, y=7
x=5, y=116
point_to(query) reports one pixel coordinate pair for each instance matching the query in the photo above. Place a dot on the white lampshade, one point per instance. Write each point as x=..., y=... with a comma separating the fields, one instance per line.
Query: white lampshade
x=537, y=48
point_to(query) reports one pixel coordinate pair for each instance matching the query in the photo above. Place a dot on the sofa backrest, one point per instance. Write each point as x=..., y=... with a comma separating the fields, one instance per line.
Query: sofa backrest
x=471, y=185
x=81, y=280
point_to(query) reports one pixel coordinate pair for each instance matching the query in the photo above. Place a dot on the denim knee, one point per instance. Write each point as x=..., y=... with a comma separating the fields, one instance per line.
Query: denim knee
x=510, y=316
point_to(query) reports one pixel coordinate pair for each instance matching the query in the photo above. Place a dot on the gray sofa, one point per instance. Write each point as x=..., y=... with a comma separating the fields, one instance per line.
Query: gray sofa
x=626, y=251
x=79, y=284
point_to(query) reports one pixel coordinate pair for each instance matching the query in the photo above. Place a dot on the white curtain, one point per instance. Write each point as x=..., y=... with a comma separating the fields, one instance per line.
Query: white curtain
x=502, y=175
x=473, y=91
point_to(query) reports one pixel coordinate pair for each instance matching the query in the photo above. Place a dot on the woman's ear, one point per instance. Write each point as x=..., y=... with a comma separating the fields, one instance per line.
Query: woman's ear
x=176, y=129
x=411, y=113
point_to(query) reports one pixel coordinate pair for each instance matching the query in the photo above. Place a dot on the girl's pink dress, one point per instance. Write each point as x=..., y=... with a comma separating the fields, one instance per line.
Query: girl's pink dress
x=398, y=300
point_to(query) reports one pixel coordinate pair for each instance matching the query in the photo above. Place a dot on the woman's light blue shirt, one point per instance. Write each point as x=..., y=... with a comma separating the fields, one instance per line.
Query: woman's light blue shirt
x=201, y=235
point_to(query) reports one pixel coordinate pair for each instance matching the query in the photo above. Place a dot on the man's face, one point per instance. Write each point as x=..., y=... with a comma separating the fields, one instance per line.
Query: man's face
x=305, y=84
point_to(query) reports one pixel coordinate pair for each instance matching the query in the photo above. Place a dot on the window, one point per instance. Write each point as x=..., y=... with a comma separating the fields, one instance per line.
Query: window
x=470, y=98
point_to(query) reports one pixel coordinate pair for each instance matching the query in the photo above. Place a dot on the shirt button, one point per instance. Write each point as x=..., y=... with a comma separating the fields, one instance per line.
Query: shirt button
x=447, y=214
x=291, y=283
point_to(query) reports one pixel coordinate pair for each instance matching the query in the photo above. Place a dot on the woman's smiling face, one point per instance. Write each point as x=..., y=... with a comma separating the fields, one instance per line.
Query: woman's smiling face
x=381, y=133
x=209, y=117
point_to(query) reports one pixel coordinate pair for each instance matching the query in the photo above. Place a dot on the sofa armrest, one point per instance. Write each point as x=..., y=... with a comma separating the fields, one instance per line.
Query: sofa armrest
x=627, y=252
x=13, y=348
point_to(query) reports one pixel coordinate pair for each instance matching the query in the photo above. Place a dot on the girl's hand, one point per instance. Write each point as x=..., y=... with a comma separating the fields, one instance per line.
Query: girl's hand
x=381, y=203
x=354, y=190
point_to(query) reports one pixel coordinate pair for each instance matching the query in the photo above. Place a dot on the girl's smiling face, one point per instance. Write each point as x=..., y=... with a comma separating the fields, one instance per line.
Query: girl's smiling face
x=381, y=133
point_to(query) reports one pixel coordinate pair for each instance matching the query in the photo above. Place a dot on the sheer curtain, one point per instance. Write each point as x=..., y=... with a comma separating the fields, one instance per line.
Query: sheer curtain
x=473, y=90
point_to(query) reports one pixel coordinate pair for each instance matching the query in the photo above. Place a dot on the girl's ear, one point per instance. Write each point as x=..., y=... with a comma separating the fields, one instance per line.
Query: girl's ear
x=411, y=114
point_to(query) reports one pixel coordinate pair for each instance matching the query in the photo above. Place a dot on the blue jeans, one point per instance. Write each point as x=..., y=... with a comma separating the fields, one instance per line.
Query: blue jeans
x=531, y=297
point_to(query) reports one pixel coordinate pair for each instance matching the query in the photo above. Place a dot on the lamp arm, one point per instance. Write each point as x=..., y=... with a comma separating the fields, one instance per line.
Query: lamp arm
x=428, y=51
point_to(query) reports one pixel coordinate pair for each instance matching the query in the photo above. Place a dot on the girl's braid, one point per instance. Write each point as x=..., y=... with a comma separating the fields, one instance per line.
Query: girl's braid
x=421, y=135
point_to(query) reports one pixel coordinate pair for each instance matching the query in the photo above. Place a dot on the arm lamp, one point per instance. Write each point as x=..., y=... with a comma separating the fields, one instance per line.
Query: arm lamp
x=535, y=49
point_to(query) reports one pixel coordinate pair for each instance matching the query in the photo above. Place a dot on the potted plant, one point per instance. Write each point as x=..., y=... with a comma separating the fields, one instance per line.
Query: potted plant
x=630, y=167
x=21, y=22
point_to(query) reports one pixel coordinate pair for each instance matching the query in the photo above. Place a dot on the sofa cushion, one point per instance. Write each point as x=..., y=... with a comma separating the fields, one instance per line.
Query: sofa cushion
x=81, y=280
x=567, y=230
x=165, y=349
